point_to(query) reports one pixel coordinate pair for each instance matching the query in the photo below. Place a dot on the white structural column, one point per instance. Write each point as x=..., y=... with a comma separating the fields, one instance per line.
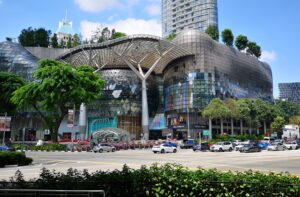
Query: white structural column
x=139, y=72
x=145, y=113
x=82, y=121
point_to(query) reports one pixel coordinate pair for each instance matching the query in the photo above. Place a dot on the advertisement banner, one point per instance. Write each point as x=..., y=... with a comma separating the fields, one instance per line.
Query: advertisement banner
x=5, y=123
x=70, y=121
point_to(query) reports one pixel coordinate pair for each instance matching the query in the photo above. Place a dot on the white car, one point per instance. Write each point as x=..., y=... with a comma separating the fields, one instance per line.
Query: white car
x=104, y=147
x=164, y=148
x=291, y=145
x=221, y=146
x=276, y=147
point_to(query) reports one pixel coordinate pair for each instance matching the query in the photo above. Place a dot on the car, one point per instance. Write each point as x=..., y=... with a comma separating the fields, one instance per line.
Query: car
x=291, y=145
x=171, y=143
x=164, y=148
x=263, y=145
x=276, y=147
x=248, y=148
x=104, y=147
x=203, y=146
x=221, y=146
x=238, y=147
x=5, y=148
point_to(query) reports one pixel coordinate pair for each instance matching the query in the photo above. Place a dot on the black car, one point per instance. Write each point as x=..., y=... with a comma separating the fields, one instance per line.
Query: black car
x=201, y=147
x=247, y=148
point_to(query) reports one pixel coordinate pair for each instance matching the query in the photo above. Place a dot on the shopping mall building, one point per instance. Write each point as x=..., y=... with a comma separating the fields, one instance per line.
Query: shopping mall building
x=154, y=87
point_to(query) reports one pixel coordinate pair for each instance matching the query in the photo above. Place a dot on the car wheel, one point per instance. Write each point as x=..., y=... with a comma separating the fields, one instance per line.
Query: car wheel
x=155, y=152
x=100, y=150
x=95, y=151
x=291, y=148
x=175, y=150
x=162, y=151
x=220, y=150
x=113, y=150
x=230, y=149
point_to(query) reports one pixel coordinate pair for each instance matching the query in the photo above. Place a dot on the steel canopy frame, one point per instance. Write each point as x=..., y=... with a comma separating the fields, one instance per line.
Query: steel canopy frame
x=143, y=54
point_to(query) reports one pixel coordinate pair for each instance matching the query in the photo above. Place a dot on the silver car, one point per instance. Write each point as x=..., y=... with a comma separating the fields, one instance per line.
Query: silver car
x=104, y=147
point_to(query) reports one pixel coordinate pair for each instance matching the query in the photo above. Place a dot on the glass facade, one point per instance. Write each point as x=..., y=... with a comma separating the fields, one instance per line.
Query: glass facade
x=290, y=92
x=16, y=59
x=180, y=15
x=214, y=71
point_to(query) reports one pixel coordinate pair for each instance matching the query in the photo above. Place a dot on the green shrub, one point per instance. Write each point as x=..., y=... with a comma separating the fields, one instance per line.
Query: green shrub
x=51, y=147
x=14, y=158
x=168, y=180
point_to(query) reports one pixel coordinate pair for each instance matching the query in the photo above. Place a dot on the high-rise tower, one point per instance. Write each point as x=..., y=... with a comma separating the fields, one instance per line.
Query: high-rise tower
x=178, y=15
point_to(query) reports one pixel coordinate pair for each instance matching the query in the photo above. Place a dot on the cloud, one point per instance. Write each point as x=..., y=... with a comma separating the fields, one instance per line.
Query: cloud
x=129, y=26
x=153, y=9
x=97, y=5
x=268, y=56
x=87, y=28
x=100, y=5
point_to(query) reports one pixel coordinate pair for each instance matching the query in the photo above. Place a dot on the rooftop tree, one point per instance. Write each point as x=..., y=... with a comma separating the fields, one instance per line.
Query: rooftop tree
x=241, y=42
x=227, y=37
x=58, y=87
x=254, y=49
x=213, y=32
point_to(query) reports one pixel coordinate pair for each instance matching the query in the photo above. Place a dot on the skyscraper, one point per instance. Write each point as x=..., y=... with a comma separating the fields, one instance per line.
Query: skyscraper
x=178, y=15
x=290, y=92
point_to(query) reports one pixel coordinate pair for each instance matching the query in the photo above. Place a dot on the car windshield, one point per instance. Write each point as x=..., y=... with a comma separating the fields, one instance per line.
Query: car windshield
x=247, y=145
x=219, y=143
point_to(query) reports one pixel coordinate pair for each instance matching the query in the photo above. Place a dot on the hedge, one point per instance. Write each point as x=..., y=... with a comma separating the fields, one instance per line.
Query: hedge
x=14, y=158
x=167, y=180
x=51, y=147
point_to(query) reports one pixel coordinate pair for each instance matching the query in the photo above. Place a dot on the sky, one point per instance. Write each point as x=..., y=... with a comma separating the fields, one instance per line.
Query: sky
x=272, y=24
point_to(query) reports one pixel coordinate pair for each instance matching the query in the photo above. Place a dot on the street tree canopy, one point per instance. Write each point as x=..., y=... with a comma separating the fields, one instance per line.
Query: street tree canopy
x=216, y=109
x=56, y=88
x=9, y=82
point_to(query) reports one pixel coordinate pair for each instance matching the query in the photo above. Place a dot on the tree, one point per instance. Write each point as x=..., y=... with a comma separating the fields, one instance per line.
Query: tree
x=243, y=111
x=54, y=41
x=8, y=39
x=26, y=38
x=294, y=120
x=42, y=37
x=56, y=88
x=171, y=37
x=216, y=110
x=254, y=49
x=35, y=37
x=286, y=109
x=9, y=82
x=264, y=112
x=231, y=104
x=116, y=35
x=241, y=42
x=278, y=124
x=213, y=32
x=227, y=37
x=61, y=44
x=69, y=42
x=76, y=40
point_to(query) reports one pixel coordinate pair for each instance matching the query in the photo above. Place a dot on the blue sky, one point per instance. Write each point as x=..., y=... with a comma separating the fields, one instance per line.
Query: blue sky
x=273, y=24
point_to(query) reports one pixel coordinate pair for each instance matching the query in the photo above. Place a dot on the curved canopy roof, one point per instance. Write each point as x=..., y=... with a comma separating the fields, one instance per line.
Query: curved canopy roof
x=143, y=50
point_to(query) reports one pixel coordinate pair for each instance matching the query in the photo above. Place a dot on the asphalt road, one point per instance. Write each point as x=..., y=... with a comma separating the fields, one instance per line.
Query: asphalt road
x=265, y=161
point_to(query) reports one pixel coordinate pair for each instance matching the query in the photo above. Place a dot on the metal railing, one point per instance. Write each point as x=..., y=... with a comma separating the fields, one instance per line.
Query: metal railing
x=45, y=192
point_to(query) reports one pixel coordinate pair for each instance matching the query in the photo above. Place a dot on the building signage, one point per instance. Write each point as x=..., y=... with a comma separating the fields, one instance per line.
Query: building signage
x=197, y=126
x=206, y=132
x=70, y=121
x=178, y=126
x=5, y=123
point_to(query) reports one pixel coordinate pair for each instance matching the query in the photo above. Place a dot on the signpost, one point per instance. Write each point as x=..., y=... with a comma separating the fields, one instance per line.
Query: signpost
x=4, y=125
